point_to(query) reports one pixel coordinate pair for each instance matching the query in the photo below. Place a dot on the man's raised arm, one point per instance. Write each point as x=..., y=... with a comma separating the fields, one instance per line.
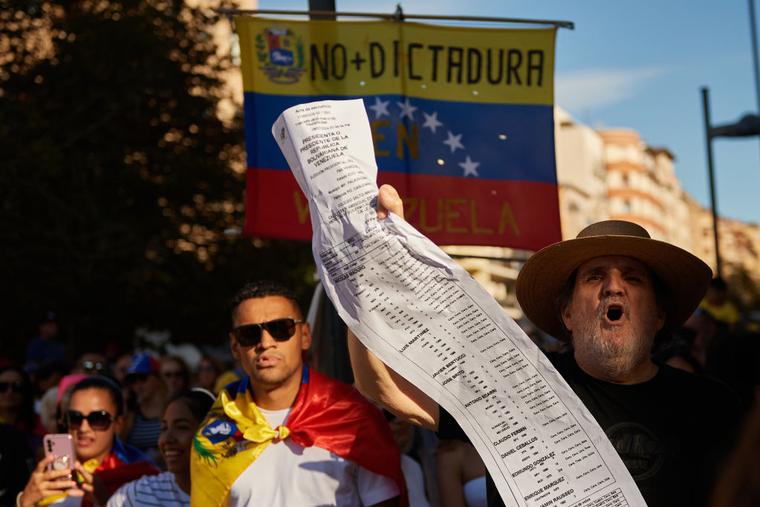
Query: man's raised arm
x=373, y=378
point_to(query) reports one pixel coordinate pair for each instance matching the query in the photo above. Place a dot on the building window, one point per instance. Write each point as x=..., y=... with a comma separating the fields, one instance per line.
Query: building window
x=626, y=205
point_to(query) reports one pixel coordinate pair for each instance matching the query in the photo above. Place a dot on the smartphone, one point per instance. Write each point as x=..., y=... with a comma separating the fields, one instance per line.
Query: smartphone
x=61, y=446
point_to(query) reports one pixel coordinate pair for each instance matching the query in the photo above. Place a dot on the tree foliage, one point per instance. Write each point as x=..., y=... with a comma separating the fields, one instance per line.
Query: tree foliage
x=118, y=178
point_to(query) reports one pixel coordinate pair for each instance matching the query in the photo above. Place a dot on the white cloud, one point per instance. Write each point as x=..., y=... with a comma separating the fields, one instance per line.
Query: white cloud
x=586, y=90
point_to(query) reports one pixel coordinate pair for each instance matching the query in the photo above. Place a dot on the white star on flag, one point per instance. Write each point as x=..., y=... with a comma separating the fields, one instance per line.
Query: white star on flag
x=380, y=108
x=431, y=121
x=407, y=109
x=470, y=167
x=454, y=142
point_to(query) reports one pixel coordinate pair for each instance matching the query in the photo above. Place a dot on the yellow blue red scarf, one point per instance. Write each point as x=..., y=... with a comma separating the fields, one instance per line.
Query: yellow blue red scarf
x=327, y=414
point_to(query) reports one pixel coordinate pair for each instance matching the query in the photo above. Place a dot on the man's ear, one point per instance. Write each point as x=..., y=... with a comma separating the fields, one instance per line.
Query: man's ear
x=305, y=336
x=567, y=317
x=234, y=347
x=661, y=318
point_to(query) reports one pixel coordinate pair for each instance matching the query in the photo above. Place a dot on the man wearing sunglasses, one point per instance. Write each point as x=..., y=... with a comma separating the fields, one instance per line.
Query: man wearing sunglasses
x=284, y=434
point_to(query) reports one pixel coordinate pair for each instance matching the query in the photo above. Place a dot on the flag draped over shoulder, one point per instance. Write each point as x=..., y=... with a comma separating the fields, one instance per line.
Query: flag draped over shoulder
x=462, y=121
x=327, y=414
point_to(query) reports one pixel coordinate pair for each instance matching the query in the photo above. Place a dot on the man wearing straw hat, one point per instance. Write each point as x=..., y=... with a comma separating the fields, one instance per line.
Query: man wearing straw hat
x=608, y=293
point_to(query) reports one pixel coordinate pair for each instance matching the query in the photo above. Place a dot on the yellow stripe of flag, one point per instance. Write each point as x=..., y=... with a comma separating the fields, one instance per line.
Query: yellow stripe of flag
x=307, y=58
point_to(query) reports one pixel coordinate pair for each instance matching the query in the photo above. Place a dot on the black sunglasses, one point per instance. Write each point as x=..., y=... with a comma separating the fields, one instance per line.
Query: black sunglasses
x=249, y=335
x=99, y=420
x=15, y=387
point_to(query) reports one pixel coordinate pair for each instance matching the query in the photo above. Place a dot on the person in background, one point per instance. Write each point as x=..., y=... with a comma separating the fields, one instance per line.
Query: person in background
x=182, y=416
x=718, y=306
x=176, y=374
x=44, y=347
x=47, y=376
x=229, y=376
x=121, y=367
x=460, y=471
x=92, y=363
x=51, y=413
x=403, y=433
x=208, y=371
x=94, y=416
x=143, y=425
x=739, y=482
x=17, y=405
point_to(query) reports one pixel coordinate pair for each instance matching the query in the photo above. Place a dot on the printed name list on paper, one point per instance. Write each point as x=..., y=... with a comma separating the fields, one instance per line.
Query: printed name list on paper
x=426, y=318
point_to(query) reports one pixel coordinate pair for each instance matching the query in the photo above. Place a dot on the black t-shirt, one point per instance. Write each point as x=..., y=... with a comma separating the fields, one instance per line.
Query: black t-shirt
x=671, y=431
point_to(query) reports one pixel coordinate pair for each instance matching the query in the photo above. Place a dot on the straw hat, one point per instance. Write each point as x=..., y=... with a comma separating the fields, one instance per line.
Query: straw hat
x=545, y=274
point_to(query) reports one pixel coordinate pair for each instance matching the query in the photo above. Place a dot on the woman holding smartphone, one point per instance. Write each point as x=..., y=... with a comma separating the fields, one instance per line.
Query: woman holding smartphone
x=103, y=463
x=183, y=414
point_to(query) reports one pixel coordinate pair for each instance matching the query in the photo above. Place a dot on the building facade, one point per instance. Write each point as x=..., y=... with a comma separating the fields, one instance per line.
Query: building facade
x=614, y=174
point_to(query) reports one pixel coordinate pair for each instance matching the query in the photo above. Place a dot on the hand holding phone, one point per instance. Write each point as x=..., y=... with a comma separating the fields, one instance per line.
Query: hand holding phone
x=46, y=482
x=61, y=447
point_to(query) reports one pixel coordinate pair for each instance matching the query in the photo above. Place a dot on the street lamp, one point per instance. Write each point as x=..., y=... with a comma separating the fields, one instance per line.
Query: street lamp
x=747, y=126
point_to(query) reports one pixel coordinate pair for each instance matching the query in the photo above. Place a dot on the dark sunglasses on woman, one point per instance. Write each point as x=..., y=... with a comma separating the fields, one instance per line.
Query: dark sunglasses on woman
x=99, y=420
x=15, y=387
x=281, y=330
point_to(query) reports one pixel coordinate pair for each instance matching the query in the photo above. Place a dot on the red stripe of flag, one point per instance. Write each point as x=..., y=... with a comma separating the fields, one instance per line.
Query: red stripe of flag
x=448, y=210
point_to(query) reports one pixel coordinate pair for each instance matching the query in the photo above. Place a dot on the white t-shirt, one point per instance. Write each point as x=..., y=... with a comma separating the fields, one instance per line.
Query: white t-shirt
x=286, y=474
x=151, y=490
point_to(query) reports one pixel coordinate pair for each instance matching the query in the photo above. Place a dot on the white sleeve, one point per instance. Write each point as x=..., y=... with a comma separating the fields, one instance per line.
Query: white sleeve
x=121, y=498
x=374, y=488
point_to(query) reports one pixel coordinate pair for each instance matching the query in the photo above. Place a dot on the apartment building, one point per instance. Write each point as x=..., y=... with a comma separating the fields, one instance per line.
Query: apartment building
x=614, y=174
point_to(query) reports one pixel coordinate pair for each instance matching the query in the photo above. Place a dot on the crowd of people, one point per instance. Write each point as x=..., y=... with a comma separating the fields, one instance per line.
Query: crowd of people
x=631, y=334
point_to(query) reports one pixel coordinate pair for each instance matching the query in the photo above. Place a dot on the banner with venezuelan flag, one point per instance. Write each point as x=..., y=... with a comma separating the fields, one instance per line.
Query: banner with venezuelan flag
x=462, y=122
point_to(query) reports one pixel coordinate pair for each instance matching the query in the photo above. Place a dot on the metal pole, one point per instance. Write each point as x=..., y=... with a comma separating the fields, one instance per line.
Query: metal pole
x=394, y=16
x=322, y=6
x=755, y=62
x=710, y=176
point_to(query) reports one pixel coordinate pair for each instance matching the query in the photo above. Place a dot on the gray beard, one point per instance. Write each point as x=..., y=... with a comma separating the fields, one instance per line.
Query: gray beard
x=614, y=356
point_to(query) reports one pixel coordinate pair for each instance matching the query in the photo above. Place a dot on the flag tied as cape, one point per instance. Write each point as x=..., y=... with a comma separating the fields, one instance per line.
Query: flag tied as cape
x=327, y=414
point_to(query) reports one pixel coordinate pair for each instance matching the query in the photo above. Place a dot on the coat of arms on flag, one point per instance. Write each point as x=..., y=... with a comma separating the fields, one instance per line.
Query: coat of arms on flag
x=280, y=55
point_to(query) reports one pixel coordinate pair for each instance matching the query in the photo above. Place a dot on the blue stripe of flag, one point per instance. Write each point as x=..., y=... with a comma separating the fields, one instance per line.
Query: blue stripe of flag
x=491, y=141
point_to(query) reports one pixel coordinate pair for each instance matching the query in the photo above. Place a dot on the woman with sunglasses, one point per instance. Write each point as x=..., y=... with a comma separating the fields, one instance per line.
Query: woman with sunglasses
x=94, y=417
x=183, y=414
x=17, y=405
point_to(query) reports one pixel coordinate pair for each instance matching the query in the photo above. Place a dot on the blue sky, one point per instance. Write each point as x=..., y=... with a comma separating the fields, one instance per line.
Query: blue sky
x=640, y=65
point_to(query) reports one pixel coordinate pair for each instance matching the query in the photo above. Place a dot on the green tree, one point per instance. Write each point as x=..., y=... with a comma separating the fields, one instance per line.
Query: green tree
x=118, y=178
